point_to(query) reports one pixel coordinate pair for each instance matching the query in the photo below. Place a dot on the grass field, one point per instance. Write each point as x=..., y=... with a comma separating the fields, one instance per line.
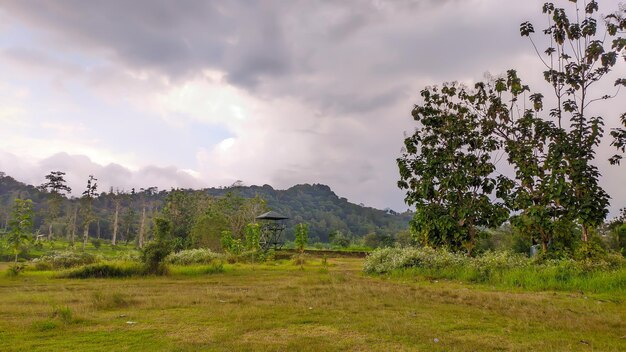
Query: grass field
x=279, y=307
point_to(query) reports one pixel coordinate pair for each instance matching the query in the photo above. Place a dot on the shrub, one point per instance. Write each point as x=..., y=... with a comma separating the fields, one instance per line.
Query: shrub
x=103, y=270
x=64, y=260
x=15, y=269
x=193, y=256
x=503, y=269
x=387, y=259
x=153, y=257
x=97, y=243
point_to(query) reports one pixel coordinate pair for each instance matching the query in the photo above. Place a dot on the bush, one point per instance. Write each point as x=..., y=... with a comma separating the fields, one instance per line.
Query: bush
x=193, y=256
x=385, y=260
x=389, y=259
x=503, y=269
x=97, y=243
x=15, y=269
x=153, y=257
x=104, y=270
x=63, y=260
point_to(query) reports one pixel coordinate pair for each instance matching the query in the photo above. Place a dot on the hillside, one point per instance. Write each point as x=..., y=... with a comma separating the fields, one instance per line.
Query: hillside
x=323, y=210
x=316, y=204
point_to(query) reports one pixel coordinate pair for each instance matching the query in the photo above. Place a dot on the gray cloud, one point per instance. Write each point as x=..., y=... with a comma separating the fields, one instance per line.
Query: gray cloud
x=321, y=51
x=356, y=68
x=79, y=167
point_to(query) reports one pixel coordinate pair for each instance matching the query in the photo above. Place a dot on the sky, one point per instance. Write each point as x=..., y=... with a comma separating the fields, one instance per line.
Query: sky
x=205, y=93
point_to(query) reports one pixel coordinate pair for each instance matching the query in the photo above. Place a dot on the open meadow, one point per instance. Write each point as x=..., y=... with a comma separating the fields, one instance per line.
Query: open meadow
x=277, y=306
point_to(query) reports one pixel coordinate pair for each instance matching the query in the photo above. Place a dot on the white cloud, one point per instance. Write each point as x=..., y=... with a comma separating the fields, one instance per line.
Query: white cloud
x=268, y=92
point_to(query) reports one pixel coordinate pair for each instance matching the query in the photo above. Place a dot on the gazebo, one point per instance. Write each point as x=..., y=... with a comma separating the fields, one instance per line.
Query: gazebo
x=272, y=229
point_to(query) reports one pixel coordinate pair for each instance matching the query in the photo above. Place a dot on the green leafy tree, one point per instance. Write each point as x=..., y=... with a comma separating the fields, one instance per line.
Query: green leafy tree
x=337, y=238
x=253, y=237
x=540, y=190
x=129, y=224
x=20, y=224
x=182, y=208
x=55, y=185
x=447, y=170
x=87, y=207
x=231, y=245
x=117, y=198
x=576, y=58
x=616, y=23
x=302, y=236
x=155, y=252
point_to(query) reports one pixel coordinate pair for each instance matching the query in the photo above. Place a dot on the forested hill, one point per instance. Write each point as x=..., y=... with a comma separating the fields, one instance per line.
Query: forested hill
x=315, y=204
x=324, y=211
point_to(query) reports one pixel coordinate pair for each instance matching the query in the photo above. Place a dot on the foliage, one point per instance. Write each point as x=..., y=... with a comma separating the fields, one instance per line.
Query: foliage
x=193, y=256
x=105, y=270
x=483, y=268
x=154, y=253
x=338, y=239
x=153, y=256
x=315, y=204
x=15, y=269
x=302, y=236
x=207, y=229
x=20, y=225
x=253, y=237
x=374, y=240
x=577, y=58
x=56, y=186
x=162, y=229
x=233, y=246
x=96, y=242
x=90, y=192
x=64, y=260
x=446, y=168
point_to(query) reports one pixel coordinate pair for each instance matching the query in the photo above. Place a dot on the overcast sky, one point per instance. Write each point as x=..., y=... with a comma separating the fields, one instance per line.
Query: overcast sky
x=205, y=93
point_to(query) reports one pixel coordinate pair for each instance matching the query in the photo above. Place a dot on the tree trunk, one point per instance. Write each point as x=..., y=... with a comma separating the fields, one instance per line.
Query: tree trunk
x=85, y=235
x=74, y=226
x=50, y=231
x=585, y=233
x=117, y=211
x=471, y=231
x=142, y=228
x=98, y=223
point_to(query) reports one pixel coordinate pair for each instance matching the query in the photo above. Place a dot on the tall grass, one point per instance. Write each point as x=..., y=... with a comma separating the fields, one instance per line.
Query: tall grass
x=501, y=269
x=104, y=270
x=63, y=260
x=193, y=256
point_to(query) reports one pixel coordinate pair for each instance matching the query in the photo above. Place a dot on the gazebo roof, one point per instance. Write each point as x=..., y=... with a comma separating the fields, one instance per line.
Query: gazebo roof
x=271, y=215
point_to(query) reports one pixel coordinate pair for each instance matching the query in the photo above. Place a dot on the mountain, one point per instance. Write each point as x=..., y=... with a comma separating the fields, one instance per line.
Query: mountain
x=316, y=204
x=323, y=210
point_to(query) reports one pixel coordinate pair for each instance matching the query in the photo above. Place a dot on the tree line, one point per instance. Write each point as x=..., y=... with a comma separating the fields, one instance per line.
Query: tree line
x=197, y=217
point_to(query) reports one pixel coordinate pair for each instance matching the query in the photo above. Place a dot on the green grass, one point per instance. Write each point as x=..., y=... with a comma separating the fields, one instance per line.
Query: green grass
x=106, y=250
x=534, y=278
x=279, y=307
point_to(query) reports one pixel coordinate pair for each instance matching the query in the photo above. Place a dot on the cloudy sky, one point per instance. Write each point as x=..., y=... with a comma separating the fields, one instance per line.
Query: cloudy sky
x=203, y=93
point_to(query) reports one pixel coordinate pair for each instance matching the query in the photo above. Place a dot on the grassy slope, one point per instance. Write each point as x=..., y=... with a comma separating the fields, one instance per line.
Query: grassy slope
x=279, y=308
